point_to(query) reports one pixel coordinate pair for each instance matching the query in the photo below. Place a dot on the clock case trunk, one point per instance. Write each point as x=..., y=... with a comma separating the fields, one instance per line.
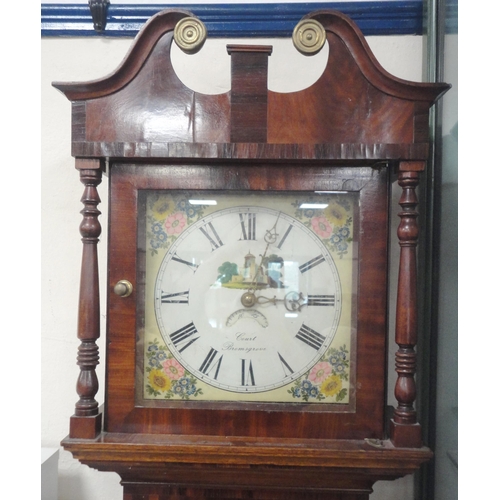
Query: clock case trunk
x=357, y=125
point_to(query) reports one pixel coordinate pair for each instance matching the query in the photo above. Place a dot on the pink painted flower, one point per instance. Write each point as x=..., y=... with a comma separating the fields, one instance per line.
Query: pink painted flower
x=173, y=369
x=175, y=223
x=320, y=372
x=322, y=227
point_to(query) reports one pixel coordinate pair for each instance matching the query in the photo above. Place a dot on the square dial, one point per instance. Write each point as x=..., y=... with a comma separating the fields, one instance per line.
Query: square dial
x=247, y=296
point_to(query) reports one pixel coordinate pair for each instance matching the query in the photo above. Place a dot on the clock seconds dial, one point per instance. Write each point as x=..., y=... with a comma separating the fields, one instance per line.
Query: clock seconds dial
x=247, y=299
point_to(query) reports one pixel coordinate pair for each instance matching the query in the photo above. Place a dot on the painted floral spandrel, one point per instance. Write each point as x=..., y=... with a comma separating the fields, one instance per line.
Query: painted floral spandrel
x=325, y=378
x=166, y=377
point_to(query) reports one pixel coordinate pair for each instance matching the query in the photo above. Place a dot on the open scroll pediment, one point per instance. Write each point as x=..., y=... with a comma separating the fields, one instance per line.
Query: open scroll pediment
x=355, y=101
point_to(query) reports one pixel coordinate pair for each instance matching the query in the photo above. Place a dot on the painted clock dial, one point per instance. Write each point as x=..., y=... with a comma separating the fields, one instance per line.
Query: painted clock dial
x=247, y=295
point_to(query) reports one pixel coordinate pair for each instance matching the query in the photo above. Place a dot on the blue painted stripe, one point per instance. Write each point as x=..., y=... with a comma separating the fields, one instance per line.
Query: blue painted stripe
x=236, y=20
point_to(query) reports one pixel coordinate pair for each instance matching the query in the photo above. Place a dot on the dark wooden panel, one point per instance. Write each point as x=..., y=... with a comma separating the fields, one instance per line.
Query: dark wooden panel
x=342, y=106
x=78, y=121
x=157, y=107
x=148, y=491
x=249, y=92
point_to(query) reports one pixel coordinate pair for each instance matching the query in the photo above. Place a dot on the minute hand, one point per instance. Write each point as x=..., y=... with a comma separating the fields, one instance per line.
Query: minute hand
x=270, y=238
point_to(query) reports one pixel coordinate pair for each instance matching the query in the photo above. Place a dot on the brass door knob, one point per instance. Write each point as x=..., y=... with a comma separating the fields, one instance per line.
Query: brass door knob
x=123, y=288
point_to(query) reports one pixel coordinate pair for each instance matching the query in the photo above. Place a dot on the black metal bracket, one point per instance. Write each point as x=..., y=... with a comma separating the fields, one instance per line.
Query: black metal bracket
x=99, y=11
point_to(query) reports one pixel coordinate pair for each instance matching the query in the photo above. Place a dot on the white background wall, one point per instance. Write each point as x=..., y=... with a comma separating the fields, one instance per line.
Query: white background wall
x=83, y=60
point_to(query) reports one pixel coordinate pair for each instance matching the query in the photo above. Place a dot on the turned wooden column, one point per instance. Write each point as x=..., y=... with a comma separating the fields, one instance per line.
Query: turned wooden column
x=405, y=430
x=86, y=421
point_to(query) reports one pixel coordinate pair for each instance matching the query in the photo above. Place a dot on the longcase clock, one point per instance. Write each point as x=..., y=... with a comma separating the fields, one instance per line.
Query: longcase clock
x=247, y=287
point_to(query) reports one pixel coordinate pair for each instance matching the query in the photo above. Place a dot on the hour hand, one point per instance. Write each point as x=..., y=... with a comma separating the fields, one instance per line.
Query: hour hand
x=249, y=299
x=293, y=301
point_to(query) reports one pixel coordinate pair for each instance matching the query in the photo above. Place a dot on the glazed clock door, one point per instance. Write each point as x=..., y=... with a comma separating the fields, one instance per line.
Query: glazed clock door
x=247, y=297
x=245, y=303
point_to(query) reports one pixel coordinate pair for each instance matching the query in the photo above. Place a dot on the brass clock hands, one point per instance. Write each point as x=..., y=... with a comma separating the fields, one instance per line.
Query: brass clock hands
x=270, y=237
x=293, y=301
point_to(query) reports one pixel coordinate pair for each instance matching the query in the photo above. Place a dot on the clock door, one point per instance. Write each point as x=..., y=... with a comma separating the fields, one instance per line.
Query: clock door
x=246, y=304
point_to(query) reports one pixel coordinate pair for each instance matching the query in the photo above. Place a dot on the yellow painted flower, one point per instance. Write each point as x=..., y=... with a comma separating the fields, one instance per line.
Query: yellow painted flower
x=159, y=381
x=331, y=386
x=336, y=214
x=162, y=208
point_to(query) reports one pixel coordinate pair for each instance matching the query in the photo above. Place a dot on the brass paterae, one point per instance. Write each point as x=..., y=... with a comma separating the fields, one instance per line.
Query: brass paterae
x=309, y=36
x=190, y=34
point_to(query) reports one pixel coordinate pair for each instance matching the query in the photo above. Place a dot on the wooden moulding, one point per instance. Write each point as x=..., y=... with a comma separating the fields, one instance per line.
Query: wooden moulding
x=159, y=448
x=340, y=152
x=209, y=461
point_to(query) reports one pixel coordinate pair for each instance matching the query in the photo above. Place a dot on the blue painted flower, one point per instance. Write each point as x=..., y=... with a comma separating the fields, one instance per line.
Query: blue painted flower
x=296, y=392
x=334, y=358
x=153, y=347
x=162, y=237
x=344, y=232
x=183, y=382
x=337, y=358
x=159, y=235
x=191, y=212
x=306, y=385
x=157, y=228
x=339, y=368
x=341, y=246
x=182, y=204
x=153, y=361
x=155, y=243
x=161, y=356
x=190, y=390
x=178, y=389
x=188, y=209
x=313, y=392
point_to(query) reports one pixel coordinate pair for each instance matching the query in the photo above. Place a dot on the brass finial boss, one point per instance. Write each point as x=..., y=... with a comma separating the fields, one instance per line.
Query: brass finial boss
x=309, y=36
x=190, y=34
